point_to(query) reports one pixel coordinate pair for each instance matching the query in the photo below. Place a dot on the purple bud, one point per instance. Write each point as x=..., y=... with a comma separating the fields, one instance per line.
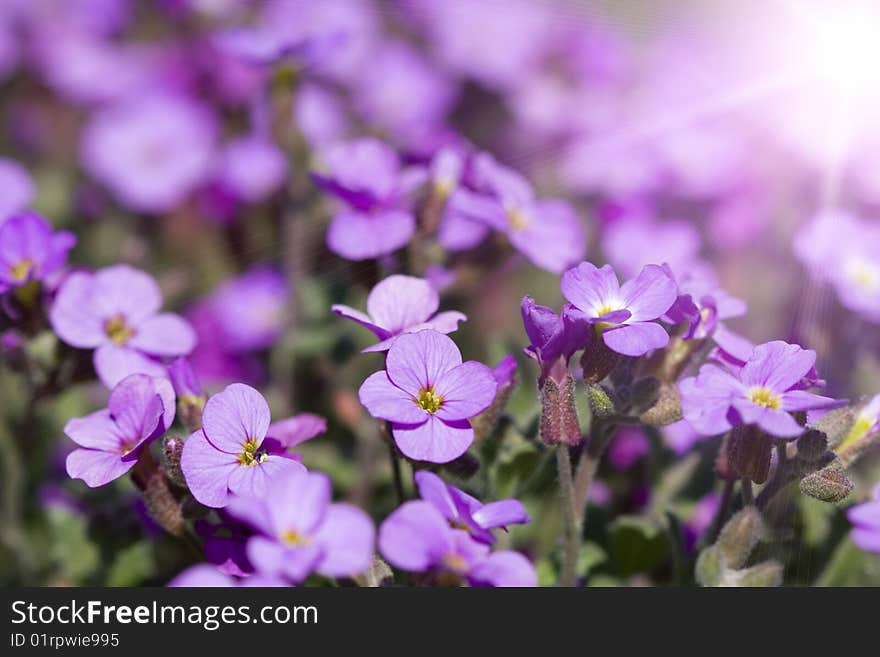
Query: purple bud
x=559, y=420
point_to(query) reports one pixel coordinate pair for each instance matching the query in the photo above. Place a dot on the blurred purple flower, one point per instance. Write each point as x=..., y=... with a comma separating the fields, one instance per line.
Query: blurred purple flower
x=366, y=176
x=140, y=409
x=18, y=188
x=632, y=242
x=301, y=532
x=319, y=115
x=623, y=314
x=151, y=152
x=417, y=538
x=627, y=448
x=30, y=251
x=399, y=92
x=252, y=168
x=250, y=310
x=115, y=311
x=398, y=305
x=228, y=456
x=680, y=436
x=205, y=575
x=865, y=518
x=428, y=395
x=702, y=304
x=764, y=392
x=466, y=512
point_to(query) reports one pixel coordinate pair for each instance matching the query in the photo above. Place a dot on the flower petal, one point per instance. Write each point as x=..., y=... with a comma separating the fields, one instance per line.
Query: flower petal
x=501, y=514
x=398, y=302
x=590, y=288
x=777, y=365
x=433, y=489
x=166, y=334
x=96, y=468
x=636, y=339
x=115, y=362
x=207, y=470
x=255, y=481
x=232, y=417
x=650, y=294
x=357, y=316
x=346, y=537
x=360, y=236
x=73, y=316
x=417, y=360
x=95, y=431
x=505, y=569
x=436, y=441
x=466, y=391
x=386, y=401
x=415, y=537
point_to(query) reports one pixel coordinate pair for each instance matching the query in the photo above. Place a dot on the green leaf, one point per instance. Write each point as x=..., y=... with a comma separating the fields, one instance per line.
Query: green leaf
x=637, y=544
x=132, y=565
x=75, y=556
x=590, y=557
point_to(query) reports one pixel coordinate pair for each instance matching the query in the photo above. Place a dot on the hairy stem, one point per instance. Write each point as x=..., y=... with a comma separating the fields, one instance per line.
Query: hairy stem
x=570, y=518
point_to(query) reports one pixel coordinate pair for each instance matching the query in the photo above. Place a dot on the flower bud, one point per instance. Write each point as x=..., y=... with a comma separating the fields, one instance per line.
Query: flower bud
x=740, y=536
x=172, y=447
x=710, y=567
x=812, y=446
x=666, y=410
x=836, y=425
x=598, y=360
x=768, y=573
x=559, y=420
x=830, y=484
x=602, y=406
x=749, y=452
x=677, y=357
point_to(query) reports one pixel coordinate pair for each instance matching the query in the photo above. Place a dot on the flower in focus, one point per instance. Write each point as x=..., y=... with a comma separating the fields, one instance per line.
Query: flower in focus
x=764, y=392
x=417, y=538
x=428, y=395
x=300, y=531
x=140, y=409
x=228, y=454
x=623, y=314
x=553, y=338
x=866, y=523
x=466, y=512
x=115, y=311
x=366, y=175
x=151, y=152
x=401, y=304
x=30, y=251
x=18, y=188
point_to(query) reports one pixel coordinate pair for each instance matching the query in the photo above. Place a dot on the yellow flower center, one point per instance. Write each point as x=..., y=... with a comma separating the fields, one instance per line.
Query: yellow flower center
x=765, y=397
x=865, y=275
x=249, y=455
x=117, y=330
x=293, y=538
x=518, y=219
x=429, y=401
x=21, y=270
x=455, y=563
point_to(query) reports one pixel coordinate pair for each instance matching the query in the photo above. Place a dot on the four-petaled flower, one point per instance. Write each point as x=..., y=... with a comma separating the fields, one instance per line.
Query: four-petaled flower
x=466, y=512
x=764, y=392
x=300, y=531
x=428, y=395
x=140, y=409
x=30, y=251
x=623, y=314
x=228, y=455
x=115, y=311
x=416, y=537
x=401, y=304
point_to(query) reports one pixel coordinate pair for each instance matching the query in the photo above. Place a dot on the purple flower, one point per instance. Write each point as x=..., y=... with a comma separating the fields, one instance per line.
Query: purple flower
x=554, y=338
x=301, y=532
x=206, y=575
x=319, y=115
x=547, y=231
x=30, y=251
x=866, y=523
x=228, y=455
x=417, y=538
x=466, y=512
x=401, y=304
x=624, y=314
x=764, y=392
x=252, y=168
x=629, y=446
x=366, y=176
x=115, y=311
x=150, y=151
x=250, y=310
x=702, y=304
x=18, y=188
x=428, y=395
x=295, y=430
x=140, y=409
x=402, y=93
x=632, y=242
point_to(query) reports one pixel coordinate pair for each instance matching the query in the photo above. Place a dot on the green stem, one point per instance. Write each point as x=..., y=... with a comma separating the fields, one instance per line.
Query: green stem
x=570, y=518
